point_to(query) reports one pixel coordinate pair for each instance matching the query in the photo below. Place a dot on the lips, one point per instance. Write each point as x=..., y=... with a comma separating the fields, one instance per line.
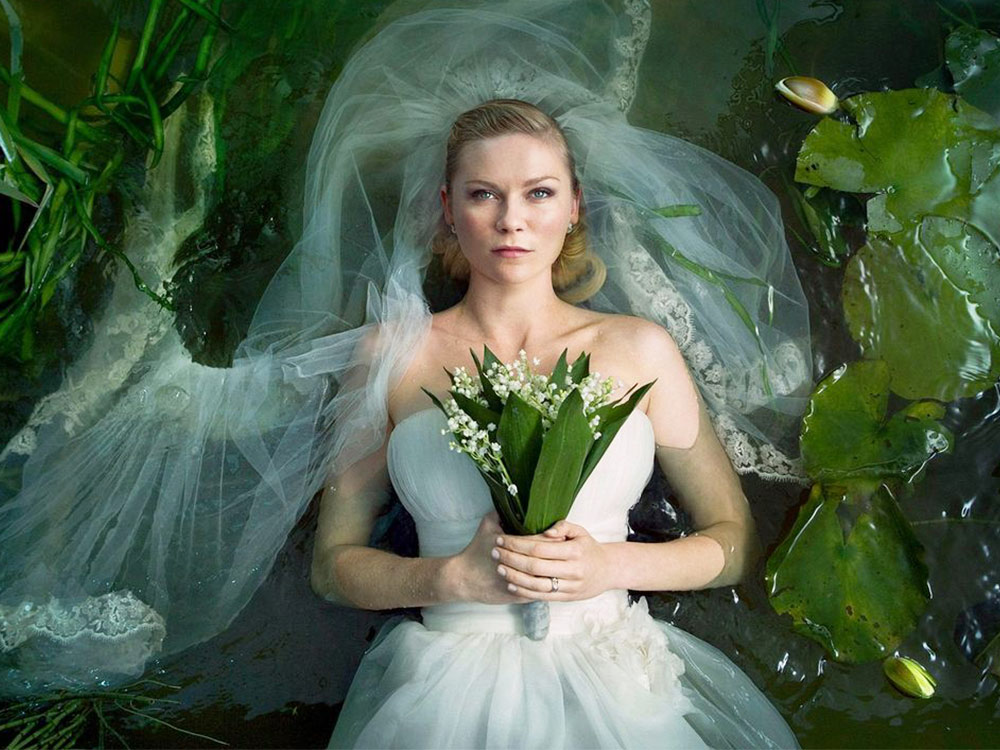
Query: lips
x=510, y=251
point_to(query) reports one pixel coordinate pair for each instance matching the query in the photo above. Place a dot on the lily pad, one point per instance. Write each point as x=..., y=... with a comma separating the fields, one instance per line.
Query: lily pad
x=845, y=432
x=921, y=151
x=851, y=572
x=927, y=301
x=973, y=57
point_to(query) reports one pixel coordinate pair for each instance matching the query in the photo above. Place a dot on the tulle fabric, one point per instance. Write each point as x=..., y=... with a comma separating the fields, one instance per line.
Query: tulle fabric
x=175, y=484
x=607, y=675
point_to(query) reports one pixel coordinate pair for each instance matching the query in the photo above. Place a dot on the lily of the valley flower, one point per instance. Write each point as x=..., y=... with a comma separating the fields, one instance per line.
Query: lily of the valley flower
x=909, y=676
x=809, y=94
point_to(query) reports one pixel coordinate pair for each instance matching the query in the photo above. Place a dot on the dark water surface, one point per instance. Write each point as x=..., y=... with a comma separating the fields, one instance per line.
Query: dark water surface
x=277, y=676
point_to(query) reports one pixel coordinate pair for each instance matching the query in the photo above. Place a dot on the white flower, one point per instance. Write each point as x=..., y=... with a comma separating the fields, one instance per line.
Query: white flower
x=512, y=488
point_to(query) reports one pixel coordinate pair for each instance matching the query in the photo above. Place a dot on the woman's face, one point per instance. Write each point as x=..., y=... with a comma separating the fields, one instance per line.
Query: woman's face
x=511, y=203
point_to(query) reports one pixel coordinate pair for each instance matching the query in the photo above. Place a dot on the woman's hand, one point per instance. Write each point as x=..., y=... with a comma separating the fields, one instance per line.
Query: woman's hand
x=566, y=552
x=474, y=570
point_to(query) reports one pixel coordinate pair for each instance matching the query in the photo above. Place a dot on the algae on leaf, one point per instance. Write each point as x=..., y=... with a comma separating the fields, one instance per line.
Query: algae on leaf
x=851, y=572
x=845, y=432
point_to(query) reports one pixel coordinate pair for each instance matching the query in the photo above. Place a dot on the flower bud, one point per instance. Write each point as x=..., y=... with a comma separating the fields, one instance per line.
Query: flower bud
x=809, y=94
x=909, y=676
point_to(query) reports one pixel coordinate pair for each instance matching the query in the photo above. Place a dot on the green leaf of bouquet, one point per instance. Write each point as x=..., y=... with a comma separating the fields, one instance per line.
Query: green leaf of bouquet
x=851, y=572
x=923, y=152
x=973, y=58
x=492, y=399
x=520, y=437
x=925, y=301
x=482, y=414
x=510, y=511
x=580, y=368
x=845, y=432
x=436, y=400
x=611, y=418
x=564, y=450
x=560, y=371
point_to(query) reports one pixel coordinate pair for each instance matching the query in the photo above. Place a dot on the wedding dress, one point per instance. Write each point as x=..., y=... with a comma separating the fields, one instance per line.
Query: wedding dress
x=607, y=675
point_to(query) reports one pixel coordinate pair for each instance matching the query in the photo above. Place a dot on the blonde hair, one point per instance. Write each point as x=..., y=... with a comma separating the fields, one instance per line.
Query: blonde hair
x=578, y=272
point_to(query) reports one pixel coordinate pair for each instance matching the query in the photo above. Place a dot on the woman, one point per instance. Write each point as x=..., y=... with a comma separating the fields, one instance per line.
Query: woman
x=512, y=201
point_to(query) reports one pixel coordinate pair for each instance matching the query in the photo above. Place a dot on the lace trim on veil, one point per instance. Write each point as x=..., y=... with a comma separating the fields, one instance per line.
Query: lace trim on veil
x=660, y=301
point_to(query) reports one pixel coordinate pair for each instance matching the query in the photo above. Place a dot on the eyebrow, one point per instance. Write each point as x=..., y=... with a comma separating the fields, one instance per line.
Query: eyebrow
x=532, y=181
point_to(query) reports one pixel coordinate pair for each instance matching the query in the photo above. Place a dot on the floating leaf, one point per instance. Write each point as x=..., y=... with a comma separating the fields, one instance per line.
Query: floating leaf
x=845, y=431
x=923, y=152
x=564, y=450
x=825, y=213
x=973, y=57
x=851, y=572
x=926, y=302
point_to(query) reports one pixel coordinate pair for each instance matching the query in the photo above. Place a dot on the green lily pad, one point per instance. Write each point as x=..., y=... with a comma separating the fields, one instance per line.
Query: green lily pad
x=845, y=432
x=927, y=301
x=921, y=151
x=851, y=572
x=973, y=57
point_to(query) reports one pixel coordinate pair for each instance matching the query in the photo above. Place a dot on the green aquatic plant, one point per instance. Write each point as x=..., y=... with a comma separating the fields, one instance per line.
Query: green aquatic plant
x=846, y=432
x=922, y=299
x=909, y=676
x=55, y=174
x=928, y=270
x=851, y=572
x=926, y=301
x=65, y=718
x=973, y=59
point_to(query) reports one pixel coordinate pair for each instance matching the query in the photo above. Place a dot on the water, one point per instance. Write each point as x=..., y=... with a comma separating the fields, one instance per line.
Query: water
x=276, y=677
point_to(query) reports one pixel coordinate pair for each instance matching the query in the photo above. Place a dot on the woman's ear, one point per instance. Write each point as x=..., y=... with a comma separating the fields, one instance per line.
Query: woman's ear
x=445, y=206
x=574, y=215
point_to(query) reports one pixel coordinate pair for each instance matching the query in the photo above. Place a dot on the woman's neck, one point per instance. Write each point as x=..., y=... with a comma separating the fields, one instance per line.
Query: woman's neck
x=512, y=318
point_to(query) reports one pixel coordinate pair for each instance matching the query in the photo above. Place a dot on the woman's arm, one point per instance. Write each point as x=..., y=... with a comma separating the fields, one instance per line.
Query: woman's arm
x=699, y=470
x=347, y=571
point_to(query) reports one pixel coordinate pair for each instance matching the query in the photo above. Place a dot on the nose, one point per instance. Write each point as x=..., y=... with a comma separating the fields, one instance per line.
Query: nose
x=511, y=217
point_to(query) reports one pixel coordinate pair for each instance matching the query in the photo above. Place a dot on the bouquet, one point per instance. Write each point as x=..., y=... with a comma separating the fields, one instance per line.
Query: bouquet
x=534, y=438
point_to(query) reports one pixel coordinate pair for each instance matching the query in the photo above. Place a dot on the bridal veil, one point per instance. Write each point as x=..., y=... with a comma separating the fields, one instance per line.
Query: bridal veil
x=143, y=524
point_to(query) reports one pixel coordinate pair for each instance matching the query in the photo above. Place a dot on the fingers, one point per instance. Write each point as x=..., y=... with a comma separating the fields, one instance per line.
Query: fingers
x=534, y=566
x=536, y=546
x=537, y=587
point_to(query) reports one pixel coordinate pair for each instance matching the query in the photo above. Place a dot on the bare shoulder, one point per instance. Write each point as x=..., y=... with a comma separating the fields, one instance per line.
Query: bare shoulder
x=648, y=344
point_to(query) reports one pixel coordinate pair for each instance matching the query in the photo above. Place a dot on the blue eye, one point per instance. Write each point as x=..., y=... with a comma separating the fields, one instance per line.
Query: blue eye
x=541, y=193
x=482, y=194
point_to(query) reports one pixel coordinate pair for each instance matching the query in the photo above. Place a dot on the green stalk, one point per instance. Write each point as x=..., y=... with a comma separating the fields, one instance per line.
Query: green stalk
x=162, y=55
x=104, y=66
x=198, y=74
x=212, y=16
x=141, y=285
x=50, y=108
x=148, y=29
x=51, y=157
x=155, y=120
